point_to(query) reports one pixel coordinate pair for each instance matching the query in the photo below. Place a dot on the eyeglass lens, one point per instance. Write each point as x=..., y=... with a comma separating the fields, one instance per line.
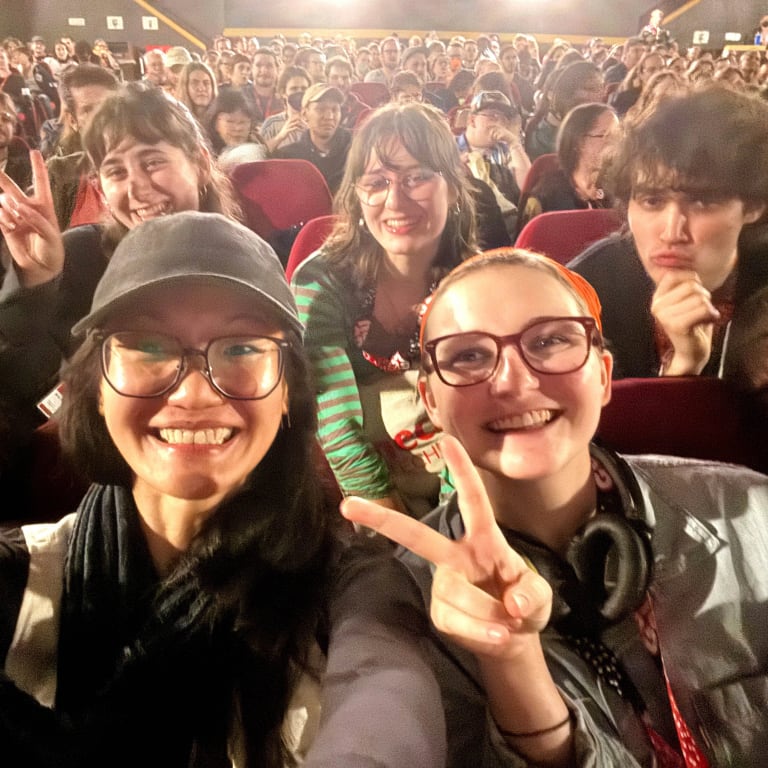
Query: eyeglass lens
x=148, y=364
x=551, y=346
x=373, y=188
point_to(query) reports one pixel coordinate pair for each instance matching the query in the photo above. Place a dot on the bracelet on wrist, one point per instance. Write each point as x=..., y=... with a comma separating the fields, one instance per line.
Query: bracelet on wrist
x=540, y=732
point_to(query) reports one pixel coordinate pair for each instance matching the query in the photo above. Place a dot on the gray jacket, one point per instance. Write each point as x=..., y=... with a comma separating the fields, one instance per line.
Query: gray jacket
x=710, y=596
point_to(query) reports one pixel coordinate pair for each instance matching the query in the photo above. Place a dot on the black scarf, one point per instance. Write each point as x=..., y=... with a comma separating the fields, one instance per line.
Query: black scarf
x=109, y=582
x=148, y=655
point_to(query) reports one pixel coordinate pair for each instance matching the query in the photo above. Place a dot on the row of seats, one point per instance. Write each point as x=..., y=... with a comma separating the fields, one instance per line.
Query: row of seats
x=291, y=196
x=697, y=417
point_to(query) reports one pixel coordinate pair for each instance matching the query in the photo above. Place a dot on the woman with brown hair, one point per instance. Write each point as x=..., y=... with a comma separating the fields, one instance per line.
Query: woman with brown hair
x=405, y=217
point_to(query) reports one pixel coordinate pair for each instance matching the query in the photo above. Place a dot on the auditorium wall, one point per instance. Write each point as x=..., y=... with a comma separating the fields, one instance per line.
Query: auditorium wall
x=194, y=22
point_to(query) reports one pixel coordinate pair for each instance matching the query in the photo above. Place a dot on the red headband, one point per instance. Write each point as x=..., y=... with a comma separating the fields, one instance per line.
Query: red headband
x=577, y=282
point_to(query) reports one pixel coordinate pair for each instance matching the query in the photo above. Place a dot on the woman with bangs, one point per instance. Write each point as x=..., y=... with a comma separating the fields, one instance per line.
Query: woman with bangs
x=149, y=159
x=589, y=610
x=405, y=218
x=694, y=250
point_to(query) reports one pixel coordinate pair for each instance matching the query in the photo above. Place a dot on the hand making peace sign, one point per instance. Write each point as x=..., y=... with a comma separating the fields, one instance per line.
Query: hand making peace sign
x=484, y=595
x=28, y=223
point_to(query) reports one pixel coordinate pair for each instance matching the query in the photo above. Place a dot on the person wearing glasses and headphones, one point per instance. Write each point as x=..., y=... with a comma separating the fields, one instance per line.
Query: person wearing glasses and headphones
x=589, y=609
x=405, y=218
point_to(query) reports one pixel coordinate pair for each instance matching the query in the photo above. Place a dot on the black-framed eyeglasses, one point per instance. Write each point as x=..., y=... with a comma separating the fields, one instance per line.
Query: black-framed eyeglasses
x=148, y=364
x=373, y=188
x=555, y=345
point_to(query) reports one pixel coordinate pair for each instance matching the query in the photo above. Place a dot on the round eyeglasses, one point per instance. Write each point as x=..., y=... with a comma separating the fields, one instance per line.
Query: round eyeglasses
x=139, y=364
x=556, y=345
x=373, y=188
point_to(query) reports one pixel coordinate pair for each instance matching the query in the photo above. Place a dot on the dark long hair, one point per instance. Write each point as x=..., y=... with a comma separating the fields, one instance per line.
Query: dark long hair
x=229, y=100
x=570, y=136
x=260, y=568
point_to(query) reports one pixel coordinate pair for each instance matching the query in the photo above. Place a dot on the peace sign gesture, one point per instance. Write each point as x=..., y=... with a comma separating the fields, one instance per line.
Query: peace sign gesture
x=487, y=599
x=28, y=223
x=484, y=595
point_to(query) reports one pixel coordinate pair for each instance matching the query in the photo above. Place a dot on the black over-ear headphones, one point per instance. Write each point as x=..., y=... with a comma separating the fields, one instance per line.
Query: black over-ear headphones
x=611, y=555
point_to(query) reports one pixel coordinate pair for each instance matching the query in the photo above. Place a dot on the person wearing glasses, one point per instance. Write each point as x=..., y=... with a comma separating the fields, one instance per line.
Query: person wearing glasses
x=405, y=217
x=389, y=54
x=230, y=124
x=186, y=613
x=589, y=609
x=575, y=183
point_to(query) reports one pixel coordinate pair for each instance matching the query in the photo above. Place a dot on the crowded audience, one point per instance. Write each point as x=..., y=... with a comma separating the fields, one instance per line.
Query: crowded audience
x=506, y=589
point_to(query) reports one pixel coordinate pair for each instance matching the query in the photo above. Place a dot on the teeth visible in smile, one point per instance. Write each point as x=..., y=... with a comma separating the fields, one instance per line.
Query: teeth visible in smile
x=216, y=436
x=153, y=211
x=528, y=419
x=395, y=223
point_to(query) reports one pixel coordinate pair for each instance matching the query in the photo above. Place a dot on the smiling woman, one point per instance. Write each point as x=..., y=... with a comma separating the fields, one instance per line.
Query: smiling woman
x=589, y=609
x=151, y=159
x=201, y=586
x=406, y=218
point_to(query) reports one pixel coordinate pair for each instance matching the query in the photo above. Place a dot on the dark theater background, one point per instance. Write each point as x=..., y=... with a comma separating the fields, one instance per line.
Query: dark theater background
x=128, y=25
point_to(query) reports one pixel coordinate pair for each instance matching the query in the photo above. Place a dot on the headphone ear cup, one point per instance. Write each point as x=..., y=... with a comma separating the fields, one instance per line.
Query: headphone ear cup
x=622, y=590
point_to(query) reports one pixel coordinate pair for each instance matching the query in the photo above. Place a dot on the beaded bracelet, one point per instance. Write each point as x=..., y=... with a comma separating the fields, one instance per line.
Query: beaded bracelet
x=540, y=732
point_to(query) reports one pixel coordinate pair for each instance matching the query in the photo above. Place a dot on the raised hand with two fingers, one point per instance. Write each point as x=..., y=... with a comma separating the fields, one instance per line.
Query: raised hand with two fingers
x=484, y=596
x=28, y=224
x=487, y=599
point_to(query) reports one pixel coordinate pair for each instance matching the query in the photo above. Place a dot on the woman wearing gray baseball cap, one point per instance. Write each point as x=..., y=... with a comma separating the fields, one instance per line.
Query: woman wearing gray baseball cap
x=191, y=609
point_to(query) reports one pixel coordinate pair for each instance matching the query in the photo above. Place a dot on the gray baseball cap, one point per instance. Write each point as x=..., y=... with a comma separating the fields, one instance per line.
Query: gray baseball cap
x=191, y=247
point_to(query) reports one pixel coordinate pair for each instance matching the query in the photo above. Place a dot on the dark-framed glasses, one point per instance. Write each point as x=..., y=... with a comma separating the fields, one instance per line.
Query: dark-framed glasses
x=148, y=364
x=418, y=184
x=554, y=346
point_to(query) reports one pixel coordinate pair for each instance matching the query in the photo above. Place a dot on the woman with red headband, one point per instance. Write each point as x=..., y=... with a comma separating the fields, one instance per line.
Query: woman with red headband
x=589, y=609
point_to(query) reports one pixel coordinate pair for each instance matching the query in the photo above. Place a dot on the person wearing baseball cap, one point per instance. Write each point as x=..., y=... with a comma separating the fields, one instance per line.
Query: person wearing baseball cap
x=204, y=564
x=176, y=58
x=191, y=247
x=324, y=143
x=493, y=148
x=185, y=403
